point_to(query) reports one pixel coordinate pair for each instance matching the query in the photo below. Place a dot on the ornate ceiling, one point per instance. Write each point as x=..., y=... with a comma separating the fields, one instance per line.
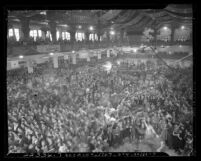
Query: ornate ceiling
x=130, y=20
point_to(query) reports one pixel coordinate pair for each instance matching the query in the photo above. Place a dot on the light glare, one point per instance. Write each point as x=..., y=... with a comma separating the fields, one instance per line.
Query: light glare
x=21, y=56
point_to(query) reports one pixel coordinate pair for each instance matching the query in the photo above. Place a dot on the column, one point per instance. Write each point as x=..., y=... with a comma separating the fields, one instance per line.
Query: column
x=55, y=62
x=74, y=59
x=25, y=28
x=172, y=34
x=53, y=30
x=99, y=55
x=108, y=36
x=72, y=34
x=98, y=34
x=108, y=53
x=60, y=34
x=121, y=36
x=44, y=31
x=87, y=36
x=51, y=14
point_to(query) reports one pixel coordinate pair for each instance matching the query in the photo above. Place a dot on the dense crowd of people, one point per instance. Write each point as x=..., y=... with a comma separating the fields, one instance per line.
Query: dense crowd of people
x=90, y=109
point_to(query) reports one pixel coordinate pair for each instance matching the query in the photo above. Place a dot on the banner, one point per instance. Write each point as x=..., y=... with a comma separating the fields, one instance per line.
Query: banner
x=48, y=48
x=99, y=55
x=108, y=53
x=74, y=59
x=55, y=62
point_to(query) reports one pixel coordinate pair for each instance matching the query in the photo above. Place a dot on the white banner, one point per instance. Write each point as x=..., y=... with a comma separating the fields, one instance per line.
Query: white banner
x=99, y=55
x=108, y=53
x=74, y=59
x=48, y=48
x=55, y=62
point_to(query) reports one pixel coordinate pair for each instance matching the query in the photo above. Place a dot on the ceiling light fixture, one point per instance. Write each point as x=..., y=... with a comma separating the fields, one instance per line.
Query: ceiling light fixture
x=21, y=56
x=112, y=32
x=91, y=28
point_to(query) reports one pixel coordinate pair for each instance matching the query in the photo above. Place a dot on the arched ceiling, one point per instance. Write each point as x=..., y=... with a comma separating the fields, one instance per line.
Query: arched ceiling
x=130, y=20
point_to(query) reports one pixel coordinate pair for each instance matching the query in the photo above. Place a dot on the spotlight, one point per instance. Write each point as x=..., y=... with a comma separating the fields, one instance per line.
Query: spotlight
x=118, y=62
x=112, y=32
x=79, y=27
x=73, y=51
x=91, y=28
x=51, y=53
x=165, y=28
x=182, y=27
x=21, y=56
x=135, y=50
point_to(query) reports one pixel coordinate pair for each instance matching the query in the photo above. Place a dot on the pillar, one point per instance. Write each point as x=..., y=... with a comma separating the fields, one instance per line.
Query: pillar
x=108, y=35
x=60, y=34
x=74, y=59
x=108, y=53
x=72, y=34
x=87, y=36
x=121, y=36
x=44, y=31
x=25, y=27
x=99, y=55
x=53, y=30
x=55, y=61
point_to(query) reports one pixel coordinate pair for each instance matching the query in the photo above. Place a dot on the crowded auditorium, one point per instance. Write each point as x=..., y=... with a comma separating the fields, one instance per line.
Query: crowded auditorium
x=97, y=80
